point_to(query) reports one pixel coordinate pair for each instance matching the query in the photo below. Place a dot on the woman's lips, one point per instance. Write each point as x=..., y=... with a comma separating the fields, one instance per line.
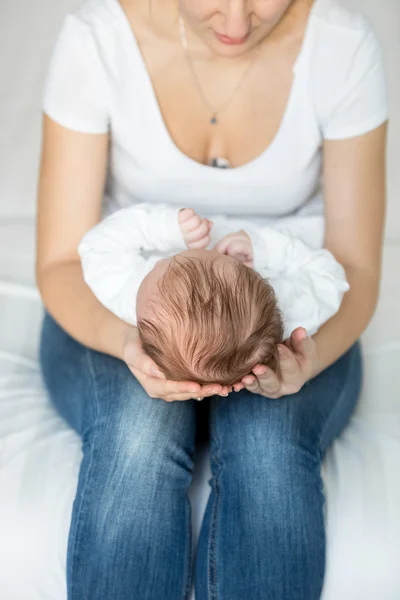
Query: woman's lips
x=232, y=41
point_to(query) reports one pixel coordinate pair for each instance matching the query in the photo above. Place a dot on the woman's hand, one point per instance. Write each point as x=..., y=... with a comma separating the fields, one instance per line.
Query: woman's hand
x=298, y=363
x=153, y=380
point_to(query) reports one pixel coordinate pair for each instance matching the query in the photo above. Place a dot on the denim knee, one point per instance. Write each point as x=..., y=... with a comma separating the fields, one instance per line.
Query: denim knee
x=138, y=453
x=262, y=443
x=258, y=427
x=140, y=433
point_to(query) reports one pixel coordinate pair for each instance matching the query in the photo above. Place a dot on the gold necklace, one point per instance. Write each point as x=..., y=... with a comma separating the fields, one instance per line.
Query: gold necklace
x=214, y=120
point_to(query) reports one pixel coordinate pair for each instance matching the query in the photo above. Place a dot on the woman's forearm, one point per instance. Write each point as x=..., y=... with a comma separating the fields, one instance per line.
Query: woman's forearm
x=338, y=334
x=70, y=301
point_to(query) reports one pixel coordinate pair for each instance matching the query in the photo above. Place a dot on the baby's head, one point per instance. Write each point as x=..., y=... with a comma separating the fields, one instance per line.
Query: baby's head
x=206, y=317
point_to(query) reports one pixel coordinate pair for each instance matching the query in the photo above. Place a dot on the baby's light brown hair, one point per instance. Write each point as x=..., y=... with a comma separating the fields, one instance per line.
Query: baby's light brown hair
x=211, y=321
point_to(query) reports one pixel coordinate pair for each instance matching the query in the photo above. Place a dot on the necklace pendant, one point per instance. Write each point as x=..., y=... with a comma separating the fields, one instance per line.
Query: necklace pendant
x=214, y=120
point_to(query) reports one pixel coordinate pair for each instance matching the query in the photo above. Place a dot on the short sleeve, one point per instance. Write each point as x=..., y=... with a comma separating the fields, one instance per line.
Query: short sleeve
x=76, y=91
x=359, y=102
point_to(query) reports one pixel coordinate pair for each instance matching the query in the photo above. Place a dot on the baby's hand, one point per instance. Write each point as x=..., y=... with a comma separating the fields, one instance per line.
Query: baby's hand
x=238, y=245
x=195, y=229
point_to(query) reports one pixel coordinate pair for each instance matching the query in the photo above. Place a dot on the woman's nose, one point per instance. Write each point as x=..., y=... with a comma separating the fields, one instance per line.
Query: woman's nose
x=236, y=18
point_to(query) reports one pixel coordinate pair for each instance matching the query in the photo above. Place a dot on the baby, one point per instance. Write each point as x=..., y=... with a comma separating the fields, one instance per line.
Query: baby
x=208, y=315
x=205, y=316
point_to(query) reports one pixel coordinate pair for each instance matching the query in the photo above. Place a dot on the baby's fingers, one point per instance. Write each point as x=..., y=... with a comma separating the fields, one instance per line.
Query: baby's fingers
x=188, y=218
x=200, y=232
x=200, y=244
x=223, y=245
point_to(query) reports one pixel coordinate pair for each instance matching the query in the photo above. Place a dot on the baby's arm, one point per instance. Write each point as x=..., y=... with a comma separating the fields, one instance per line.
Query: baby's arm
x=112, y=253
x=309, y=283
x=137, y=228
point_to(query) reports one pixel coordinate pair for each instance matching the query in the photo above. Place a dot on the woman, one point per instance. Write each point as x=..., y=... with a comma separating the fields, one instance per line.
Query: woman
x=144, y=100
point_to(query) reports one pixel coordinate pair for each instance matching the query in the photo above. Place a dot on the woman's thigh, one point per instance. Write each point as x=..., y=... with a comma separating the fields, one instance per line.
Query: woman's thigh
x=311, y=418
x=263, y=532
x=130, y=531
x=91, y=388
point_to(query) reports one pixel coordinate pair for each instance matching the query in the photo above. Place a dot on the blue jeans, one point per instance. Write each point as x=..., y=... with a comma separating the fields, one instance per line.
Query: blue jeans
x=263, y=534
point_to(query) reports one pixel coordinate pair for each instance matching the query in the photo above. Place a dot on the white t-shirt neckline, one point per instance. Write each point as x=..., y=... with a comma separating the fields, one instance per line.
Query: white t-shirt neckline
x=132, y=43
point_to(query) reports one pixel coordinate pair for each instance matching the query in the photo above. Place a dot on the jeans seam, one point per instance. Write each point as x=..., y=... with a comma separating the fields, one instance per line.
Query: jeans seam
x=212, y=553
x=188, y=587
x=86, y=489
x=212, y=542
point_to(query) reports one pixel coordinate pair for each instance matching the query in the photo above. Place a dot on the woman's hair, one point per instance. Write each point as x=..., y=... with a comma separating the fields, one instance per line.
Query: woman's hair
x=211, y=321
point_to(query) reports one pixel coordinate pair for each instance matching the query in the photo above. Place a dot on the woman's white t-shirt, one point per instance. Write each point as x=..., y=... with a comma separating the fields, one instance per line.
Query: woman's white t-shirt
x=98, y=82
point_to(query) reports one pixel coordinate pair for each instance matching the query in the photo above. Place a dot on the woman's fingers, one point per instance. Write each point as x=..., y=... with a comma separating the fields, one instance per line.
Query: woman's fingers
x=298, y=335
x=238, y=386
x=262, y=381
x=212, y=389
x=304, y=350
x=154, y=381
x=178, y=390
x=149, y=367
x=302, y=345
x=202, y=395
x=226, y=389
x=252, y=384
x=178, y=398
x=157, y=386
x=297, y=359
x=162, y=388
x=287, y=361
x=297, y=339
x=137, y=359
x=267, y=380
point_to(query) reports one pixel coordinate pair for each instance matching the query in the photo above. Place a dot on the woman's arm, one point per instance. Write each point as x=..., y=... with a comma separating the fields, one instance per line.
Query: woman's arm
x=355, y=193
x=71, y=184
